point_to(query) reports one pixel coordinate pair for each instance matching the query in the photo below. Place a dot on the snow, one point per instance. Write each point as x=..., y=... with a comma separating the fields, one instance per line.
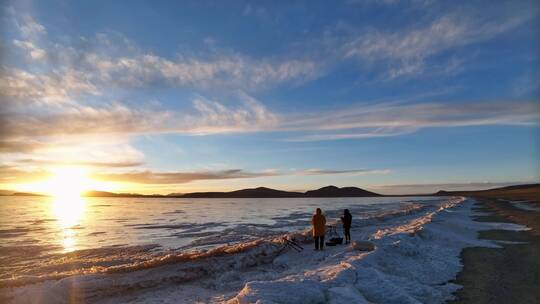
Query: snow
x=346, y=295
x=525, y=206
x=416, y=256
x=362, y=246
x=279, y=291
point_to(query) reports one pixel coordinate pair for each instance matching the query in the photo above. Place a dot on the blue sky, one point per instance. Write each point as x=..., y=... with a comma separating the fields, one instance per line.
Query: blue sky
x=393, y=96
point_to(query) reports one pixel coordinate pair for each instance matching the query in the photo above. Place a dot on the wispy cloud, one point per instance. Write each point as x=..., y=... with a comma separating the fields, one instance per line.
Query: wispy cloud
x=93, y=135
x=398, y=119
x=361, y=133
x=33, y=51
x=214, y=117
x=52, y=108
x=228, y=71
x=18, y=146
x=91, y=65
x=206, y=117
x=344, y=172
x=180, y=177
x=405, y=51
x=94, y=75
x=54, y=87
x=13, y=172
x=26, y=24
x=151, y=177
x=53, y=162
x=81, y=120
x=211, y=117
x=107, y=152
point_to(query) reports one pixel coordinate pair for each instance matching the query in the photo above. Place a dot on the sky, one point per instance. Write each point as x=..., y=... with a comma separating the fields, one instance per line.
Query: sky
x=180, y=96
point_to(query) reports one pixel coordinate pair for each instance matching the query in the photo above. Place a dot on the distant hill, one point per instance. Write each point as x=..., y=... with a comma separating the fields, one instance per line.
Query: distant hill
x=333, y=191
x=530, y=192
x=442, y=193
x=26, y=194
x=261, y=192
x=175, y=194
x=524, y=191
x=94, y=193
x=14, y=193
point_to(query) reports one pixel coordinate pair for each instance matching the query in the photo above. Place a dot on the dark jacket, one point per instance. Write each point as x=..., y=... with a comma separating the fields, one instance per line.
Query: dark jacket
x=347, y=220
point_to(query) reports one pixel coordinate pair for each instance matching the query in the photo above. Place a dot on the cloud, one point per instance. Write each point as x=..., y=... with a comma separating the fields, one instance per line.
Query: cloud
x=151, y=177
x=98, y=136
x=53, y=109
x=51, y=162
x=207, y=117
x=81, y=120
x=94, y=75
x=212, y=117
x=252, y=10
x=226, y=71
x=101, y=152
x=362, y=133
x=18, y=146
x=179, y=177
x=26, y=24
x=348, y=172
x=388, y=2
x=34, y=52
x=12, y=174
x=92, y=65
x=397, y=119
x=20, y=86
x=406, y=50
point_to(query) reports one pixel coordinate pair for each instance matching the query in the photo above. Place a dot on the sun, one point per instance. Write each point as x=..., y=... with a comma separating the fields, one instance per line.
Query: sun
x=67, y=185
x=68, y=182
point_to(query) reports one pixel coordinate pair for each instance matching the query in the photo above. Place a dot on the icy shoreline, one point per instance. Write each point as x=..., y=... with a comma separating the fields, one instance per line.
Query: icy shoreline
x=414, y=261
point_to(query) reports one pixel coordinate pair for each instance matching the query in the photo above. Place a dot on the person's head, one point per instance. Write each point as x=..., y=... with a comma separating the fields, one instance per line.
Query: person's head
x=346, y=211
x=318, y=211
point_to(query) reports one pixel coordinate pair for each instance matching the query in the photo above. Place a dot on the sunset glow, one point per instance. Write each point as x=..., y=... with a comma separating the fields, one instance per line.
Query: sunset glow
x=347, y=151
x=67, y=182
x=292, y=104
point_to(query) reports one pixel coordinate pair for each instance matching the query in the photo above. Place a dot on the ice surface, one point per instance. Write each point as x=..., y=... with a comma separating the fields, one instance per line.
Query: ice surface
x=346, y=295
x=416, y=256
x=282, y=291
x=525, y=206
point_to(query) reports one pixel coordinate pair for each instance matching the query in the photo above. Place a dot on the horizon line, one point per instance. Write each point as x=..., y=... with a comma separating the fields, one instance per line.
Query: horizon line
x=180, y=194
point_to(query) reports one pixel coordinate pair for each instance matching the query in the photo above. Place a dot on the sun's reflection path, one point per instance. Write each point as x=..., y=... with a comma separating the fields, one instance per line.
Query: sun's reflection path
x=69, y=211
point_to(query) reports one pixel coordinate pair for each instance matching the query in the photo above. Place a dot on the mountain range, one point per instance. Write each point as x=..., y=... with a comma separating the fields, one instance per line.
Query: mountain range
x=328, y=191
x=260, y=192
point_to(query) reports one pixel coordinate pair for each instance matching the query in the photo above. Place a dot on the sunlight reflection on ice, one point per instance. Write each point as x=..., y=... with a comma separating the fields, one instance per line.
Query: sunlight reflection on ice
x=68, y=211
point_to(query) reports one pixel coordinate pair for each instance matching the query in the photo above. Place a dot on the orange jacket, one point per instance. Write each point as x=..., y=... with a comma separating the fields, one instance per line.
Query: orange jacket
x=318, y=222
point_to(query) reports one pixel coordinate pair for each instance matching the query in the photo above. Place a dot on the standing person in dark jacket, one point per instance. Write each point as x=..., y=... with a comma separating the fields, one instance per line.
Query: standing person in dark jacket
x=318, y=221
x=347, y=221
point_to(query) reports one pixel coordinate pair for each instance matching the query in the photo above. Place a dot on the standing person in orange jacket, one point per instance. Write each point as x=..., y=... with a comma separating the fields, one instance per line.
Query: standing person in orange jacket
x=318, y=223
